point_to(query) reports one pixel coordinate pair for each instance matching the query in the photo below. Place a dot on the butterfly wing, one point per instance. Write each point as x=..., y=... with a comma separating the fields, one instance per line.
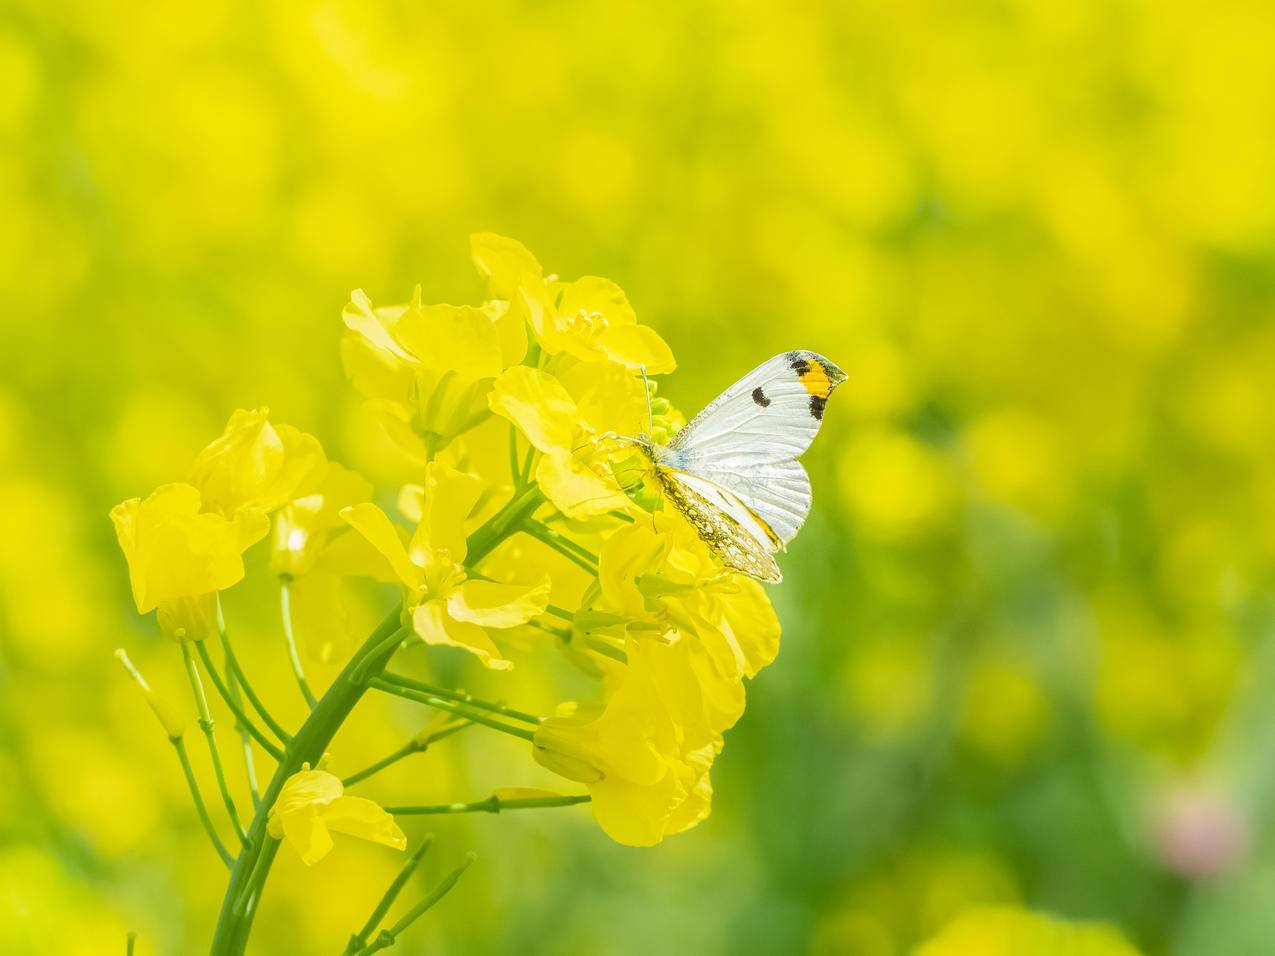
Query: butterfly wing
x=746, y=440
x=723, y=522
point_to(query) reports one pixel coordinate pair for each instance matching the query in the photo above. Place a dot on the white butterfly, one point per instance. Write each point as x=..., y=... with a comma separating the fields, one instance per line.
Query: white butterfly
x=733, y=470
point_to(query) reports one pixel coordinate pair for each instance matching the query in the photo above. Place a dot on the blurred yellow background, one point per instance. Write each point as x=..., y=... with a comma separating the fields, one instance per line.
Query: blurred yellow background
x=1027, y=654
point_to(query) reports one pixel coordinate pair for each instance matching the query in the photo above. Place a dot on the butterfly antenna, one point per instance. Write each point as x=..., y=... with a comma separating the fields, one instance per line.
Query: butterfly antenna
x=650, y=415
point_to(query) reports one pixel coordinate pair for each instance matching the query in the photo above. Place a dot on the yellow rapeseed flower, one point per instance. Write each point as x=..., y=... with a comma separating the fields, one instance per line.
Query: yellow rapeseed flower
x=425, y=369
x=569, y=429
x=590, y=318
x=645, y=753
x=254, y=464
x=447, y=607
x=312, y=803
x=179, y=557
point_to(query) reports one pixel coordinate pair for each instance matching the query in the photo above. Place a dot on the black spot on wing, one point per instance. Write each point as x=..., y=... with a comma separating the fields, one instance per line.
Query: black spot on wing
x=817, y=405
x=760, y=397
x=798, y=363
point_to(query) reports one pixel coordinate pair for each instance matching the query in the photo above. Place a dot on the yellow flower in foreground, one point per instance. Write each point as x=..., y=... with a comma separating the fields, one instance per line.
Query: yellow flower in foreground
x=178, y=557
x=645, y=754
x=590, y=318
x=566, y=429
x=425, y=369
x=1000, y=931
x=447, y=607
x=254, y=464
x=312, y=803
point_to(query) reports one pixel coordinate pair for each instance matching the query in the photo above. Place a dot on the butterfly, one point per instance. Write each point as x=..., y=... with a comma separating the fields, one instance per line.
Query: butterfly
x=732, y=471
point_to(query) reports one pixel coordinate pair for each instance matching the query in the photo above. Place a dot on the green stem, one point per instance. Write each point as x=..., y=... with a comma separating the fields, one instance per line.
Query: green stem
x=562, y=544
x=294, y=659
x=417, y=745
x=449, y=706
x=247, y=877
x=245, y=738
x=492, y=804
x=210, y=735
x=233, y=703
x=460, y=697
x=132, y=941
x=499, y=526
x=359, y=939
x=388, y=937
x=180, y=746
x=232, y=664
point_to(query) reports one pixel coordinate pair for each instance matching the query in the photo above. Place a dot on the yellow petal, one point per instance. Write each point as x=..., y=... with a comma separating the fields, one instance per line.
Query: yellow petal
x=504, y=263
x=750, y=622
x=634, y=346
x=432, y=622
x=173, y=551
x=306, y=788
x=364, y=819
x=375, y=373
x=512, y=326
x=574, y=488
x=635, y=815
x=371, y=522
x=538, y=404
x=254, y=464
x=628, y=553
x=308, y=834
x=375, y=326
x=490, y=604
x=593, y=295
x=450, y=496
x=457, y=338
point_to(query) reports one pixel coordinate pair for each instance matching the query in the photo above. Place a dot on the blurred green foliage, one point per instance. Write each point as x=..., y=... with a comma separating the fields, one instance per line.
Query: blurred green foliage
x=1027, y=648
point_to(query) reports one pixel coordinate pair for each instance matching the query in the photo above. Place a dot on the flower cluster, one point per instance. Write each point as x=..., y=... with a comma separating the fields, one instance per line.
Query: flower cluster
x=547, y=546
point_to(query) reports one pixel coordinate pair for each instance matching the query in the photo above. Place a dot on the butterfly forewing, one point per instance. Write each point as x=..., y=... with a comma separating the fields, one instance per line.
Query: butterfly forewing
x=771, y=414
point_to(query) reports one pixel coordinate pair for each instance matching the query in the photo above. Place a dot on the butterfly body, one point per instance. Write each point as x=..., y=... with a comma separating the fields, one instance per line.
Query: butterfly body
x=732, y=471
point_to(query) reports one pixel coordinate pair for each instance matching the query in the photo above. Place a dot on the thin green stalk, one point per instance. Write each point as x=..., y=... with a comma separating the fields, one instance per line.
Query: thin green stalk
x=232, y=702
x=232, y=664
x=245, y=738
x=248, y=876
x=560, y=612
x=388, y=937
x=563, y=545
x=515, y=471
x=132, y=941
x=460, y=697
x=417, y=745
x=180, y=746
x=210, y=735
x=359, y=939
x=449, y=706
x=492, y=804
x=527, y=462
x=294, y=659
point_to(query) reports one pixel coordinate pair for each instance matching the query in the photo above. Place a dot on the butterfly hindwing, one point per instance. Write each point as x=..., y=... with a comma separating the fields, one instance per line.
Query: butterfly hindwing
x=723, y=523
